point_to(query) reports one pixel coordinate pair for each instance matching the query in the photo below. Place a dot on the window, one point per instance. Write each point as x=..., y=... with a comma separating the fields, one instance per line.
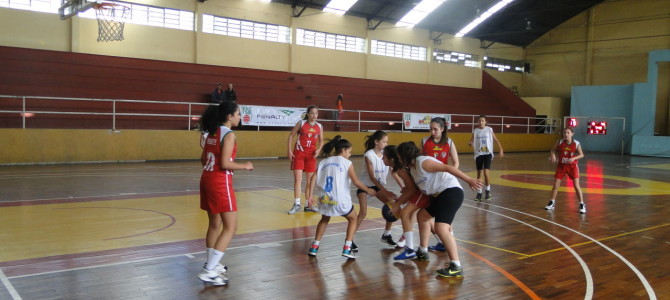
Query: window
x=329, y=40
x=48, y=6
x=153, y=16
x=504, y=65
x=398, y=50
x=458, y=58
x=246, y=29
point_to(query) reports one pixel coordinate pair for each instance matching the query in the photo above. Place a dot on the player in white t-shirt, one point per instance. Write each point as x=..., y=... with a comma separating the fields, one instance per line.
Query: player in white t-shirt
x=333, y=177
x=374, y=176
x=482, y=141
x=440, y=182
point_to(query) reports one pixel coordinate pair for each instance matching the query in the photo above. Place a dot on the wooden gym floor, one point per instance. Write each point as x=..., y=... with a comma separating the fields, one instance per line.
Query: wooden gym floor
x=134, y=231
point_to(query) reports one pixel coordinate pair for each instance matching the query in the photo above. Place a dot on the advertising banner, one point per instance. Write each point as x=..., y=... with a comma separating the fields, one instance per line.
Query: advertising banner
x=422, y=121
x=271, y=116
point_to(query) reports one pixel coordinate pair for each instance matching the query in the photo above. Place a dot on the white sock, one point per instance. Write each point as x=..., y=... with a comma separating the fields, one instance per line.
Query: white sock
x=409, y=239
x=479, y=191
x=387, y=232
x=423, y=249
x=214, y=259
x=488, y=188
x=316, y=242
x=347, y=243
x=297, y=201
x=456, y=262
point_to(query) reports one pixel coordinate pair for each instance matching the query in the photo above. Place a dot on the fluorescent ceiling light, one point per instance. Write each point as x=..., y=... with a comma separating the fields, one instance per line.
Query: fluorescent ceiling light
x=419, y=12
x=483, y=17
x=339, y=6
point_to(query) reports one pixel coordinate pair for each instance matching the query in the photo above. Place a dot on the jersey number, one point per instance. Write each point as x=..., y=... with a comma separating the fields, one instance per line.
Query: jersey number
x=329, y=184
x=211, y=160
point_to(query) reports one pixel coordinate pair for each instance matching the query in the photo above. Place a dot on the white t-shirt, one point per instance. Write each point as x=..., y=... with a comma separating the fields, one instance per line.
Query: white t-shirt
x=332, y=186
x=380, y=169
x=432, y=183
x=483, y=141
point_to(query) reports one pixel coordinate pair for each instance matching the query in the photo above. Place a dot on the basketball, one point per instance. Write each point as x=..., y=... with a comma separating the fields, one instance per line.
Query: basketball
x=388, y=215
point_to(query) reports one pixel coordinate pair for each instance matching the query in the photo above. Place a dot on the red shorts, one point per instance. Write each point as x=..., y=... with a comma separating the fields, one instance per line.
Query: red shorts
x=216, y=192
x=303, y=161
x=420, y=199
x=572, y=170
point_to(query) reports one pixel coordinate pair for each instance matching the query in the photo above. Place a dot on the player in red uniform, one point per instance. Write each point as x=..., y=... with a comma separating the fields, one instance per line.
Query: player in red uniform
x=441, y=147
x=217, y=196
x=565, y=154
x=303, y=156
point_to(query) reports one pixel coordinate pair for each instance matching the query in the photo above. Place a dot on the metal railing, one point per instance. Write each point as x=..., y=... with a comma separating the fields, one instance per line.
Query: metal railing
x=189, y=113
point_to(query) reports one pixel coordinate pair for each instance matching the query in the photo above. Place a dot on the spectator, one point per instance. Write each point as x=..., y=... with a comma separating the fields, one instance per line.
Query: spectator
x=218, y=95
x=230, y=94
x=339, y=115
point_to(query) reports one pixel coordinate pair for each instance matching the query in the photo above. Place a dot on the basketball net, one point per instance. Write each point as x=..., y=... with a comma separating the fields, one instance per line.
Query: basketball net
x=111, y=19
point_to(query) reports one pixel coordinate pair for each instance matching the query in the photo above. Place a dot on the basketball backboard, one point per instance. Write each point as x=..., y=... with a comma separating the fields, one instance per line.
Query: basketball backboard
x=70, y=8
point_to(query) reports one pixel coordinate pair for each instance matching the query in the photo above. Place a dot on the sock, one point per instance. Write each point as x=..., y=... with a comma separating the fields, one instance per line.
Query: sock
x=437, y=238
x=316, y=242
x=347, y=243
x=456, y=262
x=214, y=259
x=488, y=188
x=209, y=254
x=387, y=232
x=297, y=201
x=479, y=191
x=423, y=249
x=409, y=240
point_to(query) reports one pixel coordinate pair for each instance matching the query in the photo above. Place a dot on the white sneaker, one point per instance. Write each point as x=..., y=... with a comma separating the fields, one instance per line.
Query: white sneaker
x=295, y=208
x=212, y=276
x=550, y=205
x=582, y=208
x=223, y=270
x=401, y=242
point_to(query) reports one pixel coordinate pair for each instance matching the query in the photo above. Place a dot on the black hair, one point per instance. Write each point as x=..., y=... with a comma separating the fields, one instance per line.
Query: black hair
x=308, y=109
x=337, y=143
x=391, y=155
x=215, y=115
x=482, y=116
x=443, y=123
x=407, y=154
x=371, y=139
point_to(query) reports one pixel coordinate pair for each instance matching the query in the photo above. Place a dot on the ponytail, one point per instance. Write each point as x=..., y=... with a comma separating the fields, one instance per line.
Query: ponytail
x=370, y=140
x=336, y=144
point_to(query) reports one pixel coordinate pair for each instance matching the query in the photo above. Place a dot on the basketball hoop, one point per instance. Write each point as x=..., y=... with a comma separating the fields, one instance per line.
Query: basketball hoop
x=111, y=19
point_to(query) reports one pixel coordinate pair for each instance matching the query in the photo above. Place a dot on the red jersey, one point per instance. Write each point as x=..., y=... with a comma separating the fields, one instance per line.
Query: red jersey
x=439, y=152
x=213, y=146
x=308, y=136
x=567, y=151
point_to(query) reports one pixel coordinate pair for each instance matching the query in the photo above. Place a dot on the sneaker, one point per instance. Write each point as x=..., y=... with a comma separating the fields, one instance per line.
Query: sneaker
x=582, y=208
x=550, y=205
x=212, y=276
x=296, y=208
x=407, y=254
x=313, y=249
x=313, y=209
x=422, y=256
x=347, y=252
x=401, y=242
x=451, y=271
x=354, y=247
x=438, y=247
x=479, y=197
x=488, y=195
x=223, y=270
x=388, y=239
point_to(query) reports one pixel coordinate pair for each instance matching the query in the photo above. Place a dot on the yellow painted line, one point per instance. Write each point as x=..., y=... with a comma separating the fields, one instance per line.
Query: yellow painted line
x=654, y=166
x=647, y=187
x=590, y=242
x=496, y=248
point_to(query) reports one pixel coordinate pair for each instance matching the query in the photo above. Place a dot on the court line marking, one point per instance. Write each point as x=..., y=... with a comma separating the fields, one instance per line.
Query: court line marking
x=601, y=239
x=495, y=248
x=645, y=283
x=509, y=276
x=587, y=272
x=8, y=285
